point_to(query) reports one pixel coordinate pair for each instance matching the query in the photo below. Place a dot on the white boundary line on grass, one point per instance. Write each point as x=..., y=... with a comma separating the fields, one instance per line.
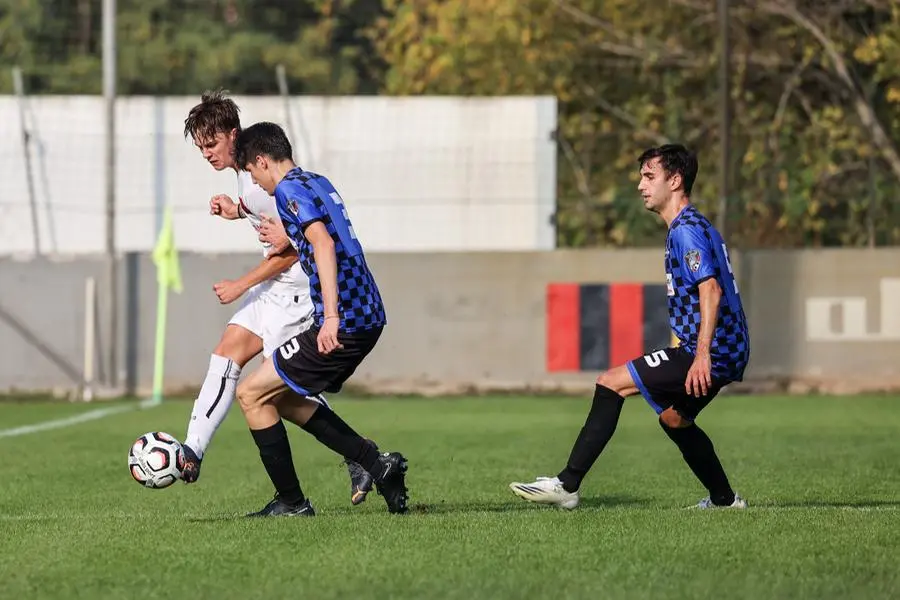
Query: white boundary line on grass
x=91, y=415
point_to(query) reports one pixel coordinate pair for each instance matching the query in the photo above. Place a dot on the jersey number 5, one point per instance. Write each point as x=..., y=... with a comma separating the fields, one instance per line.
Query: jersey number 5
x=656, y=359
x=336, y=198
x=730, y=270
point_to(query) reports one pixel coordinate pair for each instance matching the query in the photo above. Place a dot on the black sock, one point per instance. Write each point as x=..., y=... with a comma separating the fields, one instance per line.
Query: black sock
x=275, y=452
x=700, y=455
x=598, y=429
x=333, y=432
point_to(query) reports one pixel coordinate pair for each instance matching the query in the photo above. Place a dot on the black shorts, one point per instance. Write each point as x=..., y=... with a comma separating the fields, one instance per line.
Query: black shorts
x=308, y=372
x=660, y=377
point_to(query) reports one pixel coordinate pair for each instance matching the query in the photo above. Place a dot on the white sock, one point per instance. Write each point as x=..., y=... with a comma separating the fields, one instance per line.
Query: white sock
x=213, y=403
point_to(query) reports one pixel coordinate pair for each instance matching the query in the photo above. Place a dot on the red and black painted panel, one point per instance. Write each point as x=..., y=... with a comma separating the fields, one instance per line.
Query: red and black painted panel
x=593, y=327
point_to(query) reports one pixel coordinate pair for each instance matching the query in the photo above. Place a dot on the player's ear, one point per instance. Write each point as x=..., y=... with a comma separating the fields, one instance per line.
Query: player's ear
x=675, y=181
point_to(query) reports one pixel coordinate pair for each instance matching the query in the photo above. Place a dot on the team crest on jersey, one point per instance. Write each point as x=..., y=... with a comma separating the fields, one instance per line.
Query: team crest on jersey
x=293, y=207
x=692, y=258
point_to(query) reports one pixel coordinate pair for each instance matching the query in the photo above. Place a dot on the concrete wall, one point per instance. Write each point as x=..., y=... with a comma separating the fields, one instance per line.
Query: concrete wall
x=826, y=319
x=418, y=174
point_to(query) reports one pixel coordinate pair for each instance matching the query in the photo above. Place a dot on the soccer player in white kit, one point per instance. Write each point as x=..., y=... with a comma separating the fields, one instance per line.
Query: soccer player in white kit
x=276, y=304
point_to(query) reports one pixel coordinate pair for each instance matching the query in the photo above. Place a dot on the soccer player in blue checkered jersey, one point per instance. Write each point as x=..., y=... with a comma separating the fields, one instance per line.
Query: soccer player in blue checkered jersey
x=706, y=315
x=348, y=320
x=276, y=303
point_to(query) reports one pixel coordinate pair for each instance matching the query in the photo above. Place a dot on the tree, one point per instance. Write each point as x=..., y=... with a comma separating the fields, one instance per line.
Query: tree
x=179, y=47
x=805, y=129
x=816, y=88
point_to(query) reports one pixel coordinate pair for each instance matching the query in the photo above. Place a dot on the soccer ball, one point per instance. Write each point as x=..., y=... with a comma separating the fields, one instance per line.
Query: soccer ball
x=155, y=460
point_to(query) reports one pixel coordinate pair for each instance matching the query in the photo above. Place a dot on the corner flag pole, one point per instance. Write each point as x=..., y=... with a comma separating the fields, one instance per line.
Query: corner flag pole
x=168, y=276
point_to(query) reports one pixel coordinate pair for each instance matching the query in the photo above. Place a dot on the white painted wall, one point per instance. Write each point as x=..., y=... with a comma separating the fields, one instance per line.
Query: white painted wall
x=418, y=174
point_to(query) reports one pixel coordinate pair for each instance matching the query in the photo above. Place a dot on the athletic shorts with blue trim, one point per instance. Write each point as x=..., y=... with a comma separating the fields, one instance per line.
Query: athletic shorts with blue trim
x=660, y=376
x=308, y=372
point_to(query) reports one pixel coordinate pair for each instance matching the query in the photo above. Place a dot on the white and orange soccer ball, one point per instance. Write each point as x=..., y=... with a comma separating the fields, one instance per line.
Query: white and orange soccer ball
x=156, y=460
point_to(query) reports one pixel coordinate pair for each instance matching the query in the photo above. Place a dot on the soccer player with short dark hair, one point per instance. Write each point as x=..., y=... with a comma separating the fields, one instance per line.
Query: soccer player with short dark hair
x=708, y=319
x=276, y=303
x=349, y=317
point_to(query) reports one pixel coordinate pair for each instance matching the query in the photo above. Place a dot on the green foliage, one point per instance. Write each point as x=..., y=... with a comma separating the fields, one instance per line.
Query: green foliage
x=182, y=46
x=815, y=88
x=806, y=170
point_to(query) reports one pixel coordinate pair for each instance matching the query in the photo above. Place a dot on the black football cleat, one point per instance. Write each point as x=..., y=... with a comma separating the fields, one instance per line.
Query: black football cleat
x=361, y=482
x=190, y=472
x=391, y=482
x=277, y=508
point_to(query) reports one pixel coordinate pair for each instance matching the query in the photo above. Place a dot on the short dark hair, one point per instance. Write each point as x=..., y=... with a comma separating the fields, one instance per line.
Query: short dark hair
x=674, y=158
x=264, y=138
x=216, y=113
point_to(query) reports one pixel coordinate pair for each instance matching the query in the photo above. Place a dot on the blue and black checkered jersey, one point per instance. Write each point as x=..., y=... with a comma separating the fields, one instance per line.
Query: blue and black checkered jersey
x=303, y=198
x=695, y=252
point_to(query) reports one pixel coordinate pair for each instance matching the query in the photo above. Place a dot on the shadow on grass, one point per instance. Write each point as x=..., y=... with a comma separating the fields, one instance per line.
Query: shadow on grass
x=219, y=518
x=515, y=505
x=442, y=508
x=598, y=503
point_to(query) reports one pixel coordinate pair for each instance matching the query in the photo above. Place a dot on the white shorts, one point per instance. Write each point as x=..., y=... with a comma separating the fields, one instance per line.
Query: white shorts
x=275, y=318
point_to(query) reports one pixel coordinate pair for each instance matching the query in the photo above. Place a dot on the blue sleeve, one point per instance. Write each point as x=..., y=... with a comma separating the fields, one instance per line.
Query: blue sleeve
x=298, y=210
x=696, y=255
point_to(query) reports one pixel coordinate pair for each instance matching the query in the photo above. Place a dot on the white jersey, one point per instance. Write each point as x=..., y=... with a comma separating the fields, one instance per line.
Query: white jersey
x=256, y=202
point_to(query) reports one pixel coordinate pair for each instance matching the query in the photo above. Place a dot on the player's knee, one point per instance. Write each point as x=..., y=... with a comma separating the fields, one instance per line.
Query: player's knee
x=238, y=344
x=247, y=396
x=670, y=419
x=614, y=380
x=606, y=380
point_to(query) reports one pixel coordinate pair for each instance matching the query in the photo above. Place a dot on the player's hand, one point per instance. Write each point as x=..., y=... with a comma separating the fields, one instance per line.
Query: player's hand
x=271, y=231
x=228, y=291
x=223, y=206
x=327, y=339
x=699, y=377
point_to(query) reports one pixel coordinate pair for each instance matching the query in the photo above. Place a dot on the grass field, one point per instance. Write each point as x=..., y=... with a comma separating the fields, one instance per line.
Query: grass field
x=822, y=476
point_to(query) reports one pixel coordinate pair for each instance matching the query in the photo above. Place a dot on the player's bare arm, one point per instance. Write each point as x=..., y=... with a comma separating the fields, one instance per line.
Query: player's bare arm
x=229, y=290
x=699, y=377
x=326, y=262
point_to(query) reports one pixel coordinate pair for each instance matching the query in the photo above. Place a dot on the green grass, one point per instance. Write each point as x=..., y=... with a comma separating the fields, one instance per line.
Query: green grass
x=821, y=474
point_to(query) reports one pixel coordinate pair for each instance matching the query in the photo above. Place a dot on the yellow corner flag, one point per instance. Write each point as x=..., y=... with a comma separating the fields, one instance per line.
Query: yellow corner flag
x=168, y=276
x=165, y=255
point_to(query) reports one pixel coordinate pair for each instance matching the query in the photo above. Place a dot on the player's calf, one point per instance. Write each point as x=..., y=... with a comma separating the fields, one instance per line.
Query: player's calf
x=595, y=434
x=313, y=414
x=700, y=455
x=386, y=471
x=366, y=466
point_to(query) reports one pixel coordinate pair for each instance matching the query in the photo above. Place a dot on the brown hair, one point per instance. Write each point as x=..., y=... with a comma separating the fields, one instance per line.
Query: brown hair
x=215, y=114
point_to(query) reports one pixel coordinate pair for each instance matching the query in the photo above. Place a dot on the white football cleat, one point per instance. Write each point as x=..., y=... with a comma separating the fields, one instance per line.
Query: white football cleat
x=708, y=503
x=546, y=490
